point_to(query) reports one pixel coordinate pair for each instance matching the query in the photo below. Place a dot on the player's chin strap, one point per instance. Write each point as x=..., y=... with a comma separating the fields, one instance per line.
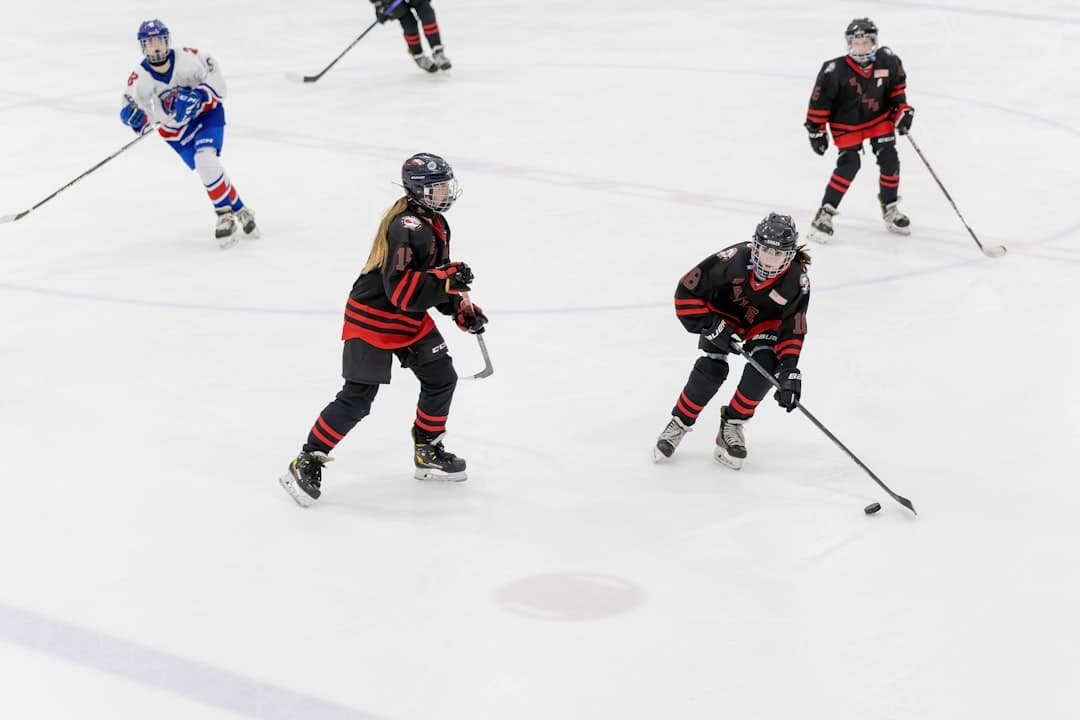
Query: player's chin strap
x=18, y=216
x=737, y=346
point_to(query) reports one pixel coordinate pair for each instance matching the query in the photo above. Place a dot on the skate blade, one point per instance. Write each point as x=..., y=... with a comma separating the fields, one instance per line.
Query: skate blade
x=659, y=455
x=818, y=236
x=302, y=498
x=721, y=456
x=228, y=241
x=433, y=474
x=898, y=230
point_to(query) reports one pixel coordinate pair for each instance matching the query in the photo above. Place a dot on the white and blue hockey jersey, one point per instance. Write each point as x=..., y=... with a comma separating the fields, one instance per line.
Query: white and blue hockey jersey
x=155, y=92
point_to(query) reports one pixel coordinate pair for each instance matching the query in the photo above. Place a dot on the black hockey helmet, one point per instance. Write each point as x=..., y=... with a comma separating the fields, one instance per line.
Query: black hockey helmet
x=777, y=234
x=422, y=174
x=862, y=28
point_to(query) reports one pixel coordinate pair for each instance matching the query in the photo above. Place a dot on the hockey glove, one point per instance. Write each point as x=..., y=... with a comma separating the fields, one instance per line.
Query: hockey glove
x=187, y=103
x=722, y=336
x=133, y=116
x=471, y=318
x=790, y=388
x=903, y=123
x=383, y=13
x=457, y=275
x=819, y=141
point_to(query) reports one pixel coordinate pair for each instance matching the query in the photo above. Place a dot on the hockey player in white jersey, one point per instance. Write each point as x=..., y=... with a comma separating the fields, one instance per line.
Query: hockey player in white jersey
x=181, y=93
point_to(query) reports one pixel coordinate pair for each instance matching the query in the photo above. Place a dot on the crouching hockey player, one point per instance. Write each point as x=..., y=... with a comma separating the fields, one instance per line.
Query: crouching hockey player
x=862, y=96
x=758, y=291
x=407, y=272
x=182, y=93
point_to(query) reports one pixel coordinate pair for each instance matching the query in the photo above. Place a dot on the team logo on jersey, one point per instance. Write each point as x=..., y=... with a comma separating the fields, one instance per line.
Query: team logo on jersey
x=830, y=67
x=804, y=284
x=777, y=298
x=411, y=223
x=727, y=254
x=167, y=99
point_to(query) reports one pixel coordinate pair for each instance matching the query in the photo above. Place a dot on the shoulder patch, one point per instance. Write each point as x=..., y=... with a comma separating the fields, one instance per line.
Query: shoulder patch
x=830, y=67
x=411, y=222
x=777, y=298
x=804, y=284
x=727, y=254
x=887, y=51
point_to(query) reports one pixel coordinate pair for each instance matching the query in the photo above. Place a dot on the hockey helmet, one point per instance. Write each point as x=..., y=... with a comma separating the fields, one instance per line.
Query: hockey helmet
x=860, y=28
x=153, y=29
x=429, y=180
x=774, y=246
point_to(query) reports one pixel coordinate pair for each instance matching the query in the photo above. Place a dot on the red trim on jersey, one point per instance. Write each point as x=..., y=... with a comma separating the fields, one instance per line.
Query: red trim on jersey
x=788, y=347
x=858, y=68
x=385, y=340
x=405, y=319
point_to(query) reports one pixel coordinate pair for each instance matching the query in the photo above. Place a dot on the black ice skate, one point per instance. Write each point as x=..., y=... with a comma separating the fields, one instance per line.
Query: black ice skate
x=225, y=230
x=669, y=439
x=730, y=447
x=821, y=228
x=246, y=219
x=439, y=58
x=432, y=460
x=304, y=479
x=425, y=63
x=895, y=221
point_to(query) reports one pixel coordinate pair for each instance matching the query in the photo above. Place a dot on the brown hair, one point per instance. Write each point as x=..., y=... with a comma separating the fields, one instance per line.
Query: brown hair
x=380, y=246
x=803, y=255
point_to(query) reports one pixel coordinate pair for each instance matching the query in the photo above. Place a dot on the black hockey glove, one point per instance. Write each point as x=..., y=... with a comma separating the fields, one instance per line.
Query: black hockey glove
x=457, y=275
x=903, y=123
x=790, y=388
x=819, y=141
x=471, y=318
x=721, y=335
x=383, y=13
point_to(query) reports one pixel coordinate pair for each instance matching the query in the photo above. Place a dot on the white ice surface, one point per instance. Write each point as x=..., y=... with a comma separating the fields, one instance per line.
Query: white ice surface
x=154, y=387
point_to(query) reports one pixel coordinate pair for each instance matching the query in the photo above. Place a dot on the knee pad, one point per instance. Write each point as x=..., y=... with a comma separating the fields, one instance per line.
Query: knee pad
x=849, y=162
x=714, y=368
x=208, y=165
x=887, y=159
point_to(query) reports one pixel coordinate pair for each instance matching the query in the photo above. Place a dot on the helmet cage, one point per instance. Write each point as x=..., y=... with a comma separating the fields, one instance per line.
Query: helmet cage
x=862, y=28
x=775, y=234
x=430, y=181
x=154, y=29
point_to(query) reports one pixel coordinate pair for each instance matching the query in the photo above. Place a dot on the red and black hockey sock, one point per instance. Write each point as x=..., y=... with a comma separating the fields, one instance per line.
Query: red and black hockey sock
x=889, y=180
x=350, y=406
x=705, y=379
x=752, y=388
x=847, y=167
x=412, y=33
x=437, y=383
x=430, y=25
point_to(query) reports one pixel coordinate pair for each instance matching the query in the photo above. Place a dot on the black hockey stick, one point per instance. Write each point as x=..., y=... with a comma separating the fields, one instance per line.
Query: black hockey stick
x=898, y=498
x=488, y=369
x=297, y=77
x=994, y=251
x=24, y=213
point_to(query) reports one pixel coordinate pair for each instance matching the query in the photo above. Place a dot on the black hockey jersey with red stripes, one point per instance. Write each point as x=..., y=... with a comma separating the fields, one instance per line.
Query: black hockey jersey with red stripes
x=851, y=97
x=724, y=285
x=388, y=306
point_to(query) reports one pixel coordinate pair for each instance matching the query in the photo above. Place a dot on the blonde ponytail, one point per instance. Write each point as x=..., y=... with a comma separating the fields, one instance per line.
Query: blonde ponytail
x=381, y=245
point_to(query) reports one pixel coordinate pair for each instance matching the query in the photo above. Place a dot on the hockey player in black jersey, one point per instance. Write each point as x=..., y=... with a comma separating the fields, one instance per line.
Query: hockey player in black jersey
x=755, y=293
x=408, y=271
x=403, y=13
x=861, y=96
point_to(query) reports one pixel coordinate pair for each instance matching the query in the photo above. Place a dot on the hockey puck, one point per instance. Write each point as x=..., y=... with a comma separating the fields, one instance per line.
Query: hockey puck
x=872, y=508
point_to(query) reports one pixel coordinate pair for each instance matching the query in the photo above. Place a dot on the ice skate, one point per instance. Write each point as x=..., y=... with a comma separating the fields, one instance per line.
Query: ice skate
x=304, y=479
x=730, y=447
x=424, y=63
x=821, y=227
x=246, y=219
x=895, y=221
x=225, y=230
x=669, y=439
x=433, y=462
x=439, y=58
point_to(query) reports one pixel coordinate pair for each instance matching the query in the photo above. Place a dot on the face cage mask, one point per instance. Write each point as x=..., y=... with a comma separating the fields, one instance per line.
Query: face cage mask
x=759, y=270
x=453, y=192
x=866, y=58
x=156, y=59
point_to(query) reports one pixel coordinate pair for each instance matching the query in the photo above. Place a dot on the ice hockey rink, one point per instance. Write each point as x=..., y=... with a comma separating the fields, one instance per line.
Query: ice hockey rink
x=155, y=387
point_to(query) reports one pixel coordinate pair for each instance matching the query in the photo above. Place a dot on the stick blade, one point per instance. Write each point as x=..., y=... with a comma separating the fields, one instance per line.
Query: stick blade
x=906, y=503
x=994, y=251
x=298, y=78
x=12, y=218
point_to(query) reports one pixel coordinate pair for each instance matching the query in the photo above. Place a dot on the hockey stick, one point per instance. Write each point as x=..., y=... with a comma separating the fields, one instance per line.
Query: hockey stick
x=994, y=251
x=765, y=374
x=24, y=213
x=488, y=369
x=297, y=77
